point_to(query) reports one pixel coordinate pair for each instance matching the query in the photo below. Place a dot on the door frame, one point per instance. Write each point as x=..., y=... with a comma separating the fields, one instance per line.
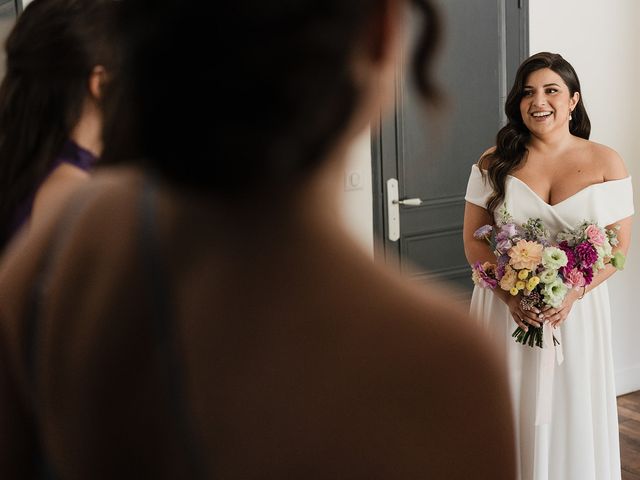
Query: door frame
x=384, y=147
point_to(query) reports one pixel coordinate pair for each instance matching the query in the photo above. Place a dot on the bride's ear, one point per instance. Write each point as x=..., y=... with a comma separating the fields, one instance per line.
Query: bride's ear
x=574, y=100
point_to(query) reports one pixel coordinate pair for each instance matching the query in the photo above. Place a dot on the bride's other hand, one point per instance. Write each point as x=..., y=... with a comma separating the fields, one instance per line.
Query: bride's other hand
x=523, y=318
x=555, y=316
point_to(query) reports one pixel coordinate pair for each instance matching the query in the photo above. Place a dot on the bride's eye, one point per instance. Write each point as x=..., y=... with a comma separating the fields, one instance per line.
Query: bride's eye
x=527, y=93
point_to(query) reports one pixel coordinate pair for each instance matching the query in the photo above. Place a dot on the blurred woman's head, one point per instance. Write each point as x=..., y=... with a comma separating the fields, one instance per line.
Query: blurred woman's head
x=254, y=92
x=52, y=52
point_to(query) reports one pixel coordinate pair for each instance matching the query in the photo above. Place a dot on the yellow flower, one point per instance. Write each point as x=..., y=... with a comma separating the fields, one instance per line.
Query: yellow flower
x=520, y=285
x=508, y=280
x=533, y=283
x=513, y=291
x=525, y=254
x=523, y=274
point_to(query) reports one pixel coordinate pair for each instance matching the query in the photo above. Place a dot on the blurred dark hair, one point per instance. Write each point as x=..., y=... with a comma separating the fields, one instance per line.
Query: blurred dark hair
x=513, y=138
x=50, y=53
x=252, y=93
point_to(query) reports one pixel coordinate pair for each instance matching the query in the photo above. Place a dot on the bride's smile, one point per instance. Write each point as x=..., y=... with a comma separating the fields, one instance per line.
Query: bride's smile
x=546, y=103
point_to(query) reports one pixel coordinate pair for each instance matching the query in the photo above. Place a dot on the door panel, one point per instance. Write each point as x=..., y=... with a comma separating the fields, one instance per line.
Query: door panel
x=8, y=12
x=431, y=152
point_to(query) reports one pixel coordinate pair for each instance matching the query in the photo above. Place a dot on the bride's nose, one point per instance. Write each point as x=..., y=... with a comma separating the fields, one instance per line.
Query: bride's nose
x=539, y=100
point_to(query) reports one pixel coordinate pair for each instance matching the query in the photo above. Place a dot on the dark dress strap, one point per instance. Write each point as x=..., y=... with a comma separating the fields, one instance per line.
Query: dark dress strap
x=34, y=310
x=165, y=334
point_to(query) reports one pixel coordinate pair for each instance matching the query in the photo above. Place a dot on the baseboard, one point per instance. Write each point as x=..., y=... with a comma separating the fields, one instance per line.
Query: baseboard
x=627, y=380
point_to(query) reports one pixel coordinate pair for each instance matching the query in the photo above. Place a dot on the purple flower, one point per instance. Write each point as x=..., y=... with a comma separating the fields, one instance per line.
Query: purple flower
x=586, y=254
x=503, y=246
x=500, y=269
x=509, y=229
x=588, y=275
x=503, y=261
x=571, y=257
x=483, y=232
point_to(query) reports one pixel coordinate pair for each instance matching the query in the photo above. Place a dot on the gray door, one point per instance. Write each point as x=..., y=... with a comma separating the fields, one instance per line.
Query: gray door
x=8, y=12
x=430, y=153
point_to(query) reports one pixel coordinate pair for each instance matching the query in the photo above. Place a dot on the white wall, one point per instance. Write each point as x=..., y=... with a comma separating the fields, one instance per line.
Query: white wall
x=358, y=197
x=602, y=42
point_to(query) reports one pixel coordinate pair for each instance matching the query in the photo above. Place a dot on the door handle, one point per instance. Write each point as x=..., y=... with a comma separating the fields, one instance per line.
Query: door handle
x=393, y=208
x=412, y=202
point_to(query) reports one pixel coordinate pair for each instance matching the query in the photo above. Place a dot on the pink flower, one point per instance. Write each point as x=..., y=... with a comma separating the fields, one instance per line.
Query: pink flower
x=509, y=279
x=595, y=235
x=484, y=275
x=574, y=278
x=526, y=254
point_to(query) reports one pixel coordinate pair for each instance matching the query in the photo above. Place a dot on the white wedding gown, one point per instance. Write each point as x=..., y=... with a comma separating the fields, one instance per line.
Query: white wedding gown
x=579, y=440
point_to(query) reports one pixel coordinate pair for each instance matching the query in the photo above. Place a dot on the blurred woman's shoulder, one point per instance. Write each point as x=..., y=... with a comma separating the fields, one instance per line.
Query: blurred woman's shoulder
x=357, y=352
x=429, y=345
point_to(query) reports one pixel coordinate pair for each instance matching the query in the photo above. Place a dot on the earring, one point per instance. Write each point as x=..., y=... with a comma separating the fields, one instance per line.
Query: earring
x=570, y=115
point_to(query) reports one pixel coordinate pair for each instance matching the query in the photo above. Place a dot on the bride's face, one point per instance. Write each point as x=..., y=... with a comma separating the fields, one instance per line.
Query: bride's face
x=546, y=102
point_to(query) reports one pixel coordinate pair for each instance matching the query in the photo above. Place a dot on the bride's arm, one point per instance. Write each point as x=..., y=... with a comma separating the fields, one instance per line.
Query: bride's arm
x=615, y=170
x=624, y=237
x=556, y=316
x=479, y=250
x=476, y=250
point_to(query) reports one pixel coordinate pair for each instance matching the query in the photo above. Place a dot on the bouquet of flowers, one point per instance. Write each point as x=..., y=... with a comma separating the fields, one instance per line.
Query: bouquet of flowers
x=542, y=270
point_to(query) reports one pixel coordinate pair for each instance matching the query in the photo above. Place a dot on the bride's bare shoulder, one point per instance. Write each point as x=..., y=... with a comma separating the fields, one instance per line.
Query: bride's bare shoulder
x=485, y=159
x=607, y=159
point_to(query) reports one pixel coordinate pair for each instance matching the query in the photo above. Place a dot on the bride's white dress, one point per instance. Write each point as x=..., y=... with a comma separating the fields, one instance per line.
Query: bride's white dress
x=580, y=439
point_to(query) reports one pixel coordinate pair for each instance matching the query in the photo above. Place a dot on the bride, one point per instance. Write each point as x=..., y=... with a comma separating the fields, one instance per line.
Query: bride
x=544, y=166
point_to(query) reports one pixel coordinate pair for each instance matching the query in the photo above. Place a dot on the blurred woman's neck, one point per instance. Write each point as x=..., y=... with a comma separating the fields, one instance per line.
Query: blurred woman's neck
x=87, y=133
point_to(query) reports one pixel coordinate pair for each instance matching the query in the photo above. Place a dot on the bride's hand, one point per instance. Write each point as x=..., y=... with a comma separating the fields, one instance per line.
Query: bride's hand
x=555, y=316
x=522, y=317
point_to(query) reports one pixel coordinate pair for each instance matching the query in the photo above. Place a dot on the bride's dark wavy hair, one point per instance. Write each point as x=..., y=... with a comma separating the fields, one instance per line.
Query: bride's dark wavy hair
x=513, y=138
x=269, y=95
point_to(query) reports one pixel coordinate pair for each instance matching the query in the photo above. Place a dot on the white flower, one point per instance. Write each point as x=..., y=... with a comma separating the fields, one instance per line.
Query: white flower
x=554, y=258
x=599, y=265
x=553, y=293
x=548, y=276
